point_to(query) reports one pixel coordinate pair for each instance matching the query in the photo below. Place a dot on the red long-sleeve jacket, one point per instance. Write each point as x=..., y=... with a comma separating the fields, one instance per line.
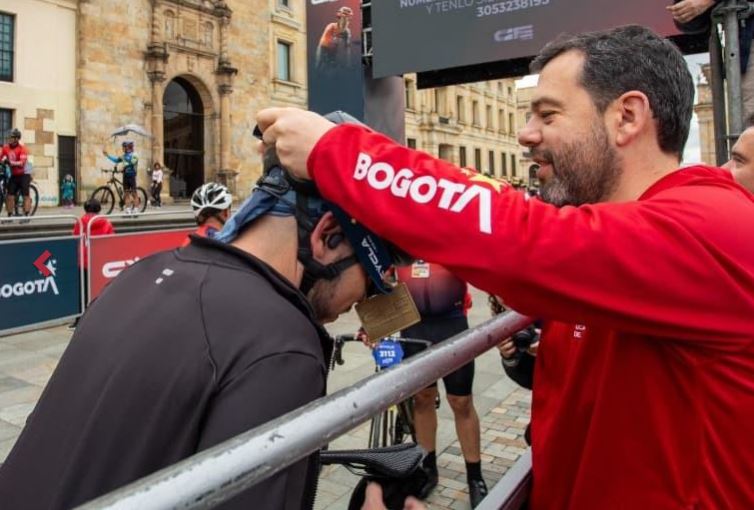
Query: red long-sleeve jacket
x=644, y=385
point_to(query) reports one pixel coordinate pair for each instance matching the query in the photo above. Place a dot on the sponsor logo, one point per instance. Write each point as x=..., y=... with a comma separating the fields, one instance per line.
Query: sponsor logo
x=444, y=194
x=45, y=264
x=372, y=254
x=113, y=269
x=522, y=33
x=579, y=330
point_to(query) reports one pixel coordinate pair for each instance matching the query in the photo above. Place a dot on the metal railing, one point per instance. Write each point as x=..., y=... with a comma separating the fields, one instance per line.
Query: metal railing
x=219, y=473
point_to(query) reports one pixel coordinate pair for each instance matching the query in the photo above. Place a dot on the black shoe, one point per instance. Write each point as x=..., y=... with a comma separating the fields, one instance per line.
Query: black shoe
x=477, y=492
x=430, y=484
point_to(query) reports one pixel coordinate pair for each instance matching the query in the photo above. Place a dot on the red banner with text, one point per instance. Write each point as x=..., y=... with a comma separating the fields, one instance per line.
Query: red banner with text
x=112, y=254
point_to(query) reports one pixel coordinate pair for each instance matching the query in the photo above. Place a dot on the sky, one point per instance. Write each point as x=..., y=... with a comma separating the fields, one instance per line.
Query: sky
x=692, y=154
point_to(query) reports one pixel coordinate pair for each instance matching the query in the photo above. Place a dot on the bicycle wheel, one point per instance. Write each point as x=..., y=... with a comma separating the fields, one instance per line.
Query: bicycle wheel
x=404, y=422
x=106, y=198
x=141, y=197
x=33, y=195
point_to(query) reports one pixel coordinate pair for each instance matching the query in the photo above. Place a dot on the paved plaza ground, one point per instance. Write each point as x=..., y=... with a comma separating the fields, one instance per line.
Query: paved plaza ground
x=28, y=359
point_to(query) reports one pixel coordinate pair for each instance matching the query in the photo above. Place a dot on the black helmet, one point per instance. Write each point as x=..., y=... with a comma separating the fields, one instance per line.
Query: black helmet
x=276, y=188
x=15, y=133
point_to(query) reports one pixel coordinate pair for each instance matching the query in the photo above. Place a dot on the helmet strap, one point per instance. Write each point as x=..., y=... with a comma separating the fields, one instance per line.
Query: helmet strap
x=313, y=270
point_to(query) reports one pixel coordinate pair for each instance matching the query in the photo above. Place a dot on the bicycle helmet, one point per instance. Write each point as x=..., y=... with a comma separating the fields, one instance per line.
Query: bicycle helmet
x=211, y=196
x=278, y=194
x=15, y=133
x=128, y=144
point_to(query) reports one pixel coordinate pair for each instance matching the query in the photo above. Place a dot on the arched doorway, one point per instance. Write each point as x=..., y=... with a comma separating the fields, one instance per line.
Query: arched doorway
x=183, y=121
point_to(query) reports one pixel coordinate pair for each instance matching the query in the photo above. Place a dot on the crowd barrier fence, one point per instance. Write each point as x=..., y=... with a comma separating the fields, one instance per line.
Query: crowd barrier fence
x=40, y=278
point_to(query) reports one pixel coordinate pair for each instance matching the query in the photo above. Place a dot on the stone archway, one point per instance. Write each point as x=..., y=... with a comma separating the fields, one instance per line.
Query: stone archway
x=186, y=151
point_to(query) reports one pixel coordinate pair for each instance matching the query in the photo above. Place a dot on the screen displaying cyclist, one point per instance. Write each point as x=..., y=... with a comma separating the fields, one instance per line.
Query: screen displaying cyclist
x=130, y=161
x=15, y=155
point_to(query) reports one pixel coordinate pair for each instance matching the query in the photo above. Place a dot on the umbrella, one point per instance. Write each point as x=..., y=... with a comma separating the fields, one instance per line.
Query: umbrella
x=131, y=128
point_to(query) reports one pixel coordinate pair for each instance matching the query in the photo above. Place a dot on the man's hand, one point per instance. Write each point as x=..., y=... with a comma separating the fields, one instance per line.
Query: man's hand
x=104, y=153
x=294, y=133
x=507, y=348
x=373, y=500
x=685, y=11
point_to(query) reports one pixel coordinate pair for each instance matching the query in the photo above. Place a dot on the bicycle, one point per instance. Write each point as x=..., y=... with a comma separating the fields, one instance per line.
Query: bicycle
x=19, y=209
x=394, y=425
x=106, y=195
x=394, y=464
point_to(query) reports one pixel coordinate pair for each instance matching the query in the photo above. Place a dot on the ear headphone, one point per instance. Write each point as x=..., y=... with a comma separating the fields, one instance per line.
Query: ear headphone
x=334, y=240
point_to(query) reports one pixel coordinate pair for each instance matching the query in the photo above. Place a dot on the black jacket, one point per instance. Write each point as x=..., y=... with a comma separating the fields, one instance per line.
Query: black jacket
x=184, y=350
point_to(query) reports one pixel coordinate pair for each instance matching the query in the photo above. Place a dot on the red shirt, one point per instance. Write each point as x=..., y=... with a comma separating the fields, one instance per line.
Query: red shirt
x=644, y=386
x=101, y=227
x=17, y=157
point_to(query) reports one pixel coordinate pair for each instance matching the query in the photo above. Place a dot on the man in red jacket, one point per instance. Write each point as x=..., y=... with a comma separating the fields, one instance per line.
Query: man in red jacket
x=643, y=272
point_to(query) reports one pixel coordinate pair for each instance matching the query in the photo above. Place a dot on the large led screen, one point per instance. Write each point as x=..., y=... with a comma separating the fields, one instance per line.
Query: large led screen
x=427, y=35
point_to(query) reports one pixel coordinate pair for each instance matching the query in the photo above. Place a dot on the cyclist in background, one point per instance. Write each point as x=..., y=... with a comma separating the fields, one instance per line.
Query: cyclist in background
x=17, y=157
x=211, y=204
x=130, y=161
x=443, y=300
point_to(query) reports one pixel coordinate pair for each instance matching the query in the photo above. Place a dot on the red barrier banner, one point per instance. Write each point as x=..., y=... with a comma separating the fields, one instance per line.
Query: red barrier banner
x=112, y=254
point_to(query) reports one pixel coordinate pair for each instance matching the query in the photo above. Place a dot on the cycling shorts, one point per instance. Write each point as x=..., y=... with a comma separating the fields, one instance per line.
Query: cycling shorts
x=129, y=182
x=436, y=330
x=19, y=183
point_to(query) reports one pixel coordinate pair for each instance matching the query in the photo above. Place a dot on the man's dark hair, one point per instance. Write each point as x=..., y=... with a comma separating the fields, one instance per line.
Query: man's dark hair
x=92, y=206
x=206, y=214
x=633, y=58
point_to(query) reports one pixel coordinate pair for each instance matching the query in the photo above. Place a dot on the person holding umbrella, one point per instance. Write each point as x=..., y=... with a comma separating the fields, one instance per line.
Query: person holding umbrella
x=130, y=161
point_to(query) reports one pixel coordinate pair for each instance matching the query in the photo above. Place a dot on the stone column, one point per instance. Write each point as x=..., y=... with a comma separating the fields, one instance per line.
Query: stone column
x=225, y=92
x=157, y=57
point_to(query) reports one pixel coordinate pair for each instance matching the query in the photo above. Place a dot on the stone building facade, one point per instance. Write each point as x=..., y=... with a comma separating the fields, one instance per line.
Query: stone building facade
x=471, y=125
x=38, y=86
x=193, y=73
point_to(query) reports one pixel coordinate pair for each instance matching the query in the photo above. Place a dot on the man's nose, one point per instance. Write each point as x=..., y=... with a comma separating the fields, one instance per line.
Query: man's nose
x=530, y=135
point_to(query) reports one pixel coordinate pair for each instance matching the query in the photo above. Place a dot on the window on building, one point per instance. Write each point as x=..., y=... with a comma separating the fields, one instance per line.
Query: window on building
x=501, y=120
x=510, y=91
x=284, y=3
x=284, y=61
x=475, y=113
x=462, y=156
x=492, y=162
x=500, y=88
x=7, y=44
x=513, y=165
x=488, y=111
x=478, y=159
x=6, y=122
x=460, y=110
x=410, y=94
x=504, y=164
x=411, y=143
x=511, y=123
x=441, y=102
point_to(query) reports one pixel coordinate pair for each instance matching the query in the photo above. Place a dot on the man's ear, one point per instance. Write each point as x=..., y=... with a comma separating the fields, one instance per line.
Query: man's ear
x=325, y=238
x=632, y=116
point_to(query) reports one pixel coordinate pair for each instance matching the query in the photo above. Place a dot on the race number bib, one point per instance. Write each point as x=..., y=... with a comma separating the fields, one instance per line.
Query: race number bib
x=387, y=353
x=419, y=269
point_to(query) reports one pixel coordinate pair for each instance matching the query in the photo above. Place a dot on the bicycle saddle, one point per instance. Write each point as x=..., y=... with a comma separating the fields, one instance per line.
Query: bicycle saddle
x=399, y=461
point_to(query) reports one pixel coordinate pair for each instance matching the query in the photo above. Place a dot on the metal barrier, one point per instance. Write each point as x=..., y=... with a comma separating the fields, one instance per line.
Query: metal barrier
x=140, y=250
x=40, y=302
x=218, y=473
